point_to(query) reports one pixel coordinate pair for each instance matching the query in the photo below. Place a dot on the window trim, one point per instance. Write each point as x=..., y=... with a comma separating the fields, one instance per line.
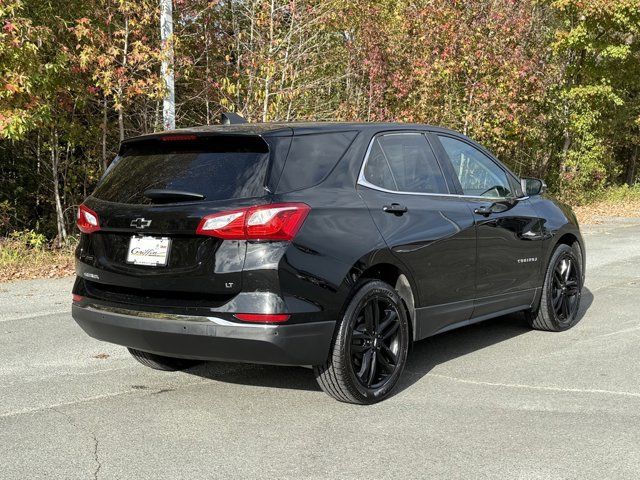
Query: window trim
x=365, y=183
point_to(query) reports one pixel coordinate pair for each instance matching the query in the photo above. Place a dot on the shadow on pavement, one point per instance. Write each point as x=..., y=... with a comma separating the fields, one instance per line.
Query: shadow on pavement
x=423, y=357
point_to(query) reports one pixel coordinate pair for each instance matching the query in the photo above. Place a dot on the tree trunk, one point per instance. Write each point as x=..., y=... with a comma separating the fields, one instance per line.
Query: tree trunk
x=207, y=75
x=105, y=162
x=166, y=34
x=125, y=57
x=267, y=77
x=55, y=160
x=38, y=168
x=631, y=170
x=565, y=151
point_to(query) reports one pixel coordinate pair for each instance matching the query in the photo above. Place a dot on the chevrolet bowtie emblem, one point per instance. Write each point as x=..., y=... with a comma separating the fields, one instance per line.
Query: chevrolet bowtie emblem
x=140, y=223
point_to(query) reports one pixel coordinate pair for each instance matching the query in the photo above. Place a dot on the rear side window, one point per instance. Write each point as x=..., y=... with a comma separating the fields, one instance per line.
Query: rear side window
x=405, y=163
x=377, y=170
x=220, y=168
x=311, y=158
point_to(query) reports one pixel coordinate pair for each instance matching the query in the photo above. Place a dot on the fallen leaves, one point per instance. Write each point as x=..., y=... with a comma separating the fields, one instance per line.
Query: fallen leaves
x=27, y=263
x=598, y=212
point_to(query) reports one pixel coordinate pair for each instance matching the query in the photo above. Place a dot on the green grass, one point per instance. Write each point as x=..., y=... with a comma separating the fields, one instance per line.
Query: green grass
x=614, y=195
x=619, y=194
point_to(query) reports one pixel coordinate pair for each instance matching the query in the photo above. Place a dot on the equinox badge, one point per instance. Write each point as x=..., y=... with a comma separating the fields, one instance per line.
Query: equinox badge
x=140, y=223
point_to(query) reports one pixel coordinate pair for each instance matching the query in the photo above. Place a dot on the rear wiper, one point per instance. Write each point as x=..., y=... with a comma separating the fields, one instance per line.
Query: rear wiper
x=172, y=195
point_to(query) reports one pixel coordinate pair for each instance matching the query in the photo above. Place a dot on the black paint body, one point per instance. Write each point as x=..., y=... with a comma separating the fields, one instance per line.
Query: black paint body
x=451, y=266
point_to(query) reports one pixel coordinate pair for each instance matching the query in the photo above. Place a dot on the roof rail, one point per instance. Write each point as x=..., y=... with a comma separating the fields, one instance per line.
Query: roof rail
x=230, y=118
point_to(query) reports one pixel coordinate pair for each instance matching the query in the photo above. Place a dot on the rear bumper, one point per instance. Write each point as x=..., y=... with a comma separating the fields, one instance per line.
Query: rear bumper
x=210, y=338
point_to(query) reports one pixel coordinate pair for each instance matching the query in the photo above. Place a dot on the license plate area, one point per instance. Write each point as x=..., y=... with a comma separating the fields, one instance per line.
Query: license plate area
x=149, y=251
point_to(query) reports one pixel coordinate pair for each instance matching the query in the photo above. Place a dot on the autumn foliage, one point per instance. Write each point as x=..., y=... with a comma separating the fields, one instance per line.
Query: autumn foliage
x=551, y=86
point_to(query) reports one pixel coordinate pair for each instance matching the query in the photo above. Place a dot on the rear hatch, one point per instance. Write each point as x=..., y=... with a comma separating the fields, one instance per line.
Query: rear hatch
x=149, y=206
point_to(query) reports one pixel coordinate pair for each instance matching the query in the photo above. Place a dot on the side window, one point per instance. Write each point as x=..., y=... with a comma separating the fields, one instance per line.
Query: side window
x=478, y=174
x=404, y=162
x=311, y=158
x=377, y=170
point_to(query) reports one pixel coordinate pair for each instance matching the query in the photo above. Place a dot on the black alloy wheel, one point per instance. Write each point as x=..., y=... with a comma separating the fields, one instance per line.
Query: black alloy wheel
x=566, y=289
x=370, y=347
x=560, y=299
x=375, y=342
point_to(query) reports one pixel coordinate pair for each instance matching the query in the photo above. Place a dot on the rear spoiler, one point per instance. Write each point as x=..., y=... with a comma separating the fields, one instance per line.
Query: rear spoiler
x=187, y=141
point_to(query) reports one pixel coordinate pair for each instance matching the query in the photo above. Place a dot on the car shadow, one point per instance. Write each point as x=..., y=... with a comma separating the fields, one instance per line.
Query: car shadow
x=423, y=357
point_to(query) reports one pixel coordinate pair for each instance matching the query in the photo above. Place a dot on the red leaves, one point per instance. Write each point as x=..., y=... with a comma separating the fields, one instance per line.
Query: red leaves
x=8, y=27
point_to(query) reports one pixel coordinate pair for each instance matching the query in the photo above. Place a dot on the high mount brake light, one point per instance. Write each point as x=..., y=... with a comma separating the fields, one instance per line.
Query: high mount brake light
x=87, y=221
x=277, y=221
x=178, y=138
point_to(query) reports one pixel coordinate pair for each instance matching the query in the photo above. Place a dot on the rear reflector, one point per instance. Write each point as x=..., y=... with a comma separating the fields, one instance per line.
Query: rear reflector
x=262, y=317
x=76, y=298
x=87, y=220
x=277, y=221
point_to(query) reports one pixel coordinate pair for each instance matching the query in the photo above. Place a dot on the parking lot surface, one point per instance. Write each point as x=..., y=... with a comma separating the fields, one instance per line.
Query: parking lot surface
x=494, y=400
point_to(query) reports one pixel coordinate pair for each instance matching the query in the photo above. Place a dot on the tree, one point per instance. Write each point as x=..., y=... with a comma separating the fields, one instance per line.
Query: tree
x=597, y=45
x=475, y=66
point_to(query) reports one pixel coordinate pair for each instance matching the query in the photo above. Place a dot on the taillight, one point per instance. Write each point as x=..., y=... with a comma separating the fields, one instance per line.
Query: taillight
x=87, y=221
x=278, y=221
x=76, y=298
x=262, y=317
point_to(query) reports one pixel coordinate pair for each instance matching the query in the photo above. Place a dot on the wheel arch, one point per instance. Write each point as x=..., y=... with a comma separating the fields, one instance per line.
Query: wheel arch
x=401, y=281
x=567, y=239
x=570, y=239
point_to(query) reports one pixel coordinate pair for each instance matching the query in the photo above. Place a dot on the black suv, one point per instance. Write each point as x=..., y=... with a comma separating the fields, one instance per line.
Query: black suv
x=332, y=245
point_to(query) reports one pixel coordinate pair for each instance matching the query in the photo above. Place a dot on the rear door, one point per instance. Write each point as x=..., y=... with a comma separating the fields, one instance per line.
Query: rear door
x=431, y=232
x=509, y=241
x=153, y=199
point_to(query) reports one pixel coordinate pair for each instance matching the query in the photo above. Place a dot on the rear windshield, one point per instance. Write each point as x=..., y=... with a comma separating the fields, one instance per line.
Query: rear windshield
x=219, y=168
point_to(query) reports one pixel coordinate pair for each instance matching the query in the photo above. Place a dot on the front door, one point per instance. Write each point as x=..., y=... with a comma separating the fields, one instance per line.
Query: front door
x=429, y=230
x=509, y=230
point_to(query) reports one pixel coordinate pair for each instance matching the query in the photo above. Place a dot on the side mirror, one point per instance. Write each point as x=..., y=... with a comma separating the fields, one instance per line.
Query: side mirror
x=533, y=186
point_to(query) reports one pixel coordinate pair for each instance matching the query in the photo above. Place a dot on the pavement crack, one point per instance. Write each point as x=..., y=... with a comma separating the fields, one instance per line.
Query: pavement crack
x=83, y=429
x=95, y=457
x=163, y=390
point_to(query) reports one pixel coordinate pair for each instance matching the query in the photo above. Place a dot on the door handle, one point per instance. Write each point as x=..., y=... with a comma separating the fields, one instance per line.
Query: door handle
x=396, y=209
x=483, y=210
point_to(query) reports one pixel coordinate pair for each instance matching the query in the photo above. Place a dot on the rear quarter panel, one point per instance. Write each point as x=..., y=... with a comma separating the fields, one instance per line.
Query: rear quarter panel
x=337, y=241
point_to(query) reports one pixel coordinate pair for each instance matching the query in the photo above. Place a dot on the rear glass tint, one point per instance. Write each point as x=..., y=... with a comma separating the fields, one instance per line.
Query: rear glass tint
x=311, y=158
x=220, y=168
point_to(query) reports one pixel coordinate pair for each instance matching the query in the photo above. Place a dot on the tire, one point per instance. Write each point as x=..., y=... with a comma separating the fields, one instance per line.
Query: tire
x=160, y=362
x=561, y=292
x=369, y=350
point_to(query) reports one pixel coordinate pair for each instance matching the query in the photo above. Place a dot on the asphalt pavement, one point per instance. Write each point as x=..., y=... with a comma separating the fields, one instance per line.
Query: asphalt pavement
x=494, y=400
